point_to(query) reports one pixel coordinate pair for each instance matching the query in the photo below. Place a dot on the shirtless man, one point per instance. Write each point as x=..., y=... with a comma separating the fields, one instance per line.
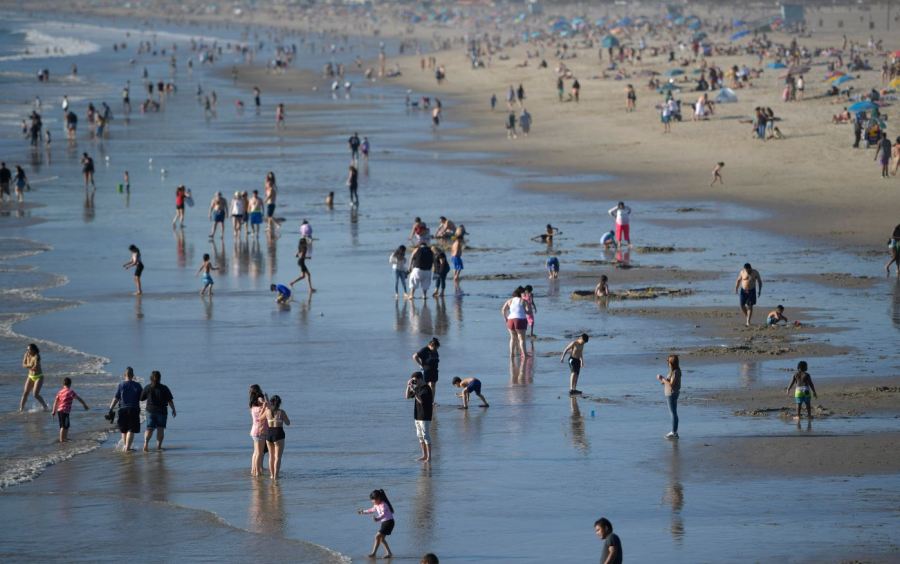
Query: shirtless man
x=445, y=229
x=748, y=286
x=456, y=260
x=218, y=209
x=575, y=350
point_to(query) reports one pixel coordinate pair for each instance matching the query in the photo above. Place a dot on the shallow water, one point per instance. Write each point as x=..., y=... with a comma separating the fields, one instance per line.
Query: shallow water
x=340, y=359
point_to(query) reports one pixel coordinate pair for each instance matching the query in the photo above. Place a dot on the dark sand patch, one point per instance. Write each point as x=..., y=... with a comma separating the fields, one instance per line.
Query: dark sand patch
x=647, y=293
x=840, y=280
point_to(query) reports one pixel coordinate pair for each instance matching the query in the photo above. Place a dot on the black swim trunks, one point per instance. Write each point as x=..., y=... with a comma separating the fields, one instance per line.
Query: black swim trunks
x=575, y=365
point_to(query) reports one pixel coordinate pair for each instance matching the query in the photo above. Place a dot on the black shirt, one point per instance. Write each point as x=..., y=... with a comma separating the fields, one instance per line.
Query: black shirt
x=5, y=175
x=157, y=398
x=429, y=359
x=354, y=142
x=424, y=404
x=423, y=259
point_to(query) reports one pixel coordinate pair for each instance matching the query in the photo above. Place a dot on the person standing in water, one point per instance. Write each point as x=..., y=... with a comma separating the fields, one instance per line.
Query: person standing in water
x=456, y=251
x=353, y=142
x=276, y=419
x=423, y=411
x=218, y=209
x=397, y=261
x=128, y=399
x=271, y=197
x=255, y=211
x=138, y=265
x=21, y=184
x=575, y=350
x=622, y=215
x=62, y=407
x=748, y=286
x=180, y=196
x=159, y=399
x=515, y=312
x=384, y=514
x=804, y=389
x=353, y=184
x=87, y=170
x=672, y=384
x=259, y=428
x=35, y=379
x=428, y=359
x=207, y=277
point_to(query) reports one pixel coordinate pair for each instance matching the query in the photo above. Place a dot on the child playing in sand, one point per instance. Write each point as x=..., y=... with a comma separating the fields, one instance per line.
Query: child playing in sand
x=803, y=384
x=384, y=514
x=62, y=406
x=552, y=268
x=469, y=386
x=284, y=293
x=717, y=174
x=602, y=288
x=776, y=316
x=575, y=350
x=207, y=279
x=608, y=239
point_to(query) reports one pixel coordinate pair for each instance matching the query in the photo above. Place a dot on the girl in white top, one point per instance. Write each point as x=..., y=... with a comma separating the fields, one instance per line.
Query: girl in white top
x=516, y=311
x=237, y=213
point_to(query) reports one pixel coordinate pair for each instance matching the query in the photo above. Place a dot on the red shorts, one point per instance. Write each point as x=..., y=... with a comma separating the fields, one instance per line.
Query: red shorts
x=622, y=233
x=516, y=324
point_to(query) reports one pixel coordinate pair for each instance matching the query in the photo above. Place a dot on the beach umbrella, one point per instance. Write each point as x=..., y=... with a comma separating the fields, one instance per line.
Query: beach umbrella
x=674, y=72
x=740, y=34
x=679, y=20
x=600, y=22
x=895, y=83
x=699, y=36
x=609, y=41
x=624, y=22
x=726, y=96
x=864, y=106
x=693, y=22
x=834, y=74
x=777, y=65
x=668, y=87
x=842, y=79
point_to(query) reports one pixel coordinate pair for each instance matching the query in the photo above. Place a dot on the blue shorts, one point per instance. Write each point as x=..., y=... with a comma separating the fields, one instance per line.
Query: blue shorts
x=219, y=217
x=474, y=386
x=256, y=218
x=456, y=262
x=156, y=420
x=803, y=399
x=207, y=280
x=553, y=264
x=748, y=297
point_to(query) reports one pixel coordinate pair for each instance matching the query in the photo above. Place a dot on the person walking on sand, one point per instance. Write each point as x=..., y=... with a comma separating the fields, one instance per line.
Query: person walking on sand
x=259, y=428
x=159, y=399
x=87, y=170
x=128, y=399
x=423, y=411
x=611, y=553
x=748, y=286
x=180, y=197
x=622, y=215
x=62, y=406
x=804, y=389
x=672, y=386
x=5, y=179
x=207, y=280
x=303, y=253
x=276, y=419
x=511, y=126
x=575, y=350
x=353, y=142
x=469, y=386
x=528, y=297
x=35, y=379
x=384, y=514
x=515, y=312
x=218, y=209
x=717, y=174
x=353, y=184
x=21, y=184
x=138, y=265
x=456, y=252
x=630, y=98
x=884, y=150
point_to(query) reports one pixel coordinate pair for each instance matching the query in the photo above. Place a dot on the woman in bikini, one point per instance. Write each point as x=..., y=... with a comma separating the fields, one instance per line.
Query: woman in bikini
x=276, y=418
x=35, y=380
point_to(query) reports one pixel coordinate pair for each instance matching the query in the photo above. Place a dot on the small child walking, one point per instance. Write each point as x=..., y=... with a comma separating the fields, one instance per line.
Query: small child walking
x=62, y=406
x=469, y=386
x=384, y=514
x=207, y=278
x=528, y=296
x=575, y=350
x=803, y=389
x=717, y=174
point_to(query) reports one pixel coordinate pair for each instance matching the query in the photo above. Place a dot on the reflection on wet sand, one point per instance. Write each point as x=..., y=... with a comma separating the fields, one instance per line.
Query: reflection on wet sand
x=423, y=513
x=895, y=305
x=420, y=319
x=579, y=439
x=266, y=511
x=673, y=495
x=750, y=373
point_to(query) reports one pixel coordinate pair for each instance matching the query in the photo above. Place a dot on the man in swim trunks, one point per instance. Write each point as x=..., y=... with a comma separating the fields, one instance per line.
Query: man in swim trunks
x=748, y=286
x=456, y=260
x=218, y=209
x=575, y=350
x=469, y=386
x=284, y=293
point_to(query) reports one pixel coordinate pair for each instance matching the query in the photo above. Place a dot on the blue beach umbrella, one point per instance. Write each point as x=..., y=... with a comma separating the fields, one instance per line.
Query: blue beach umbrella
x=740, y=34
x=699, y=36
x=668, y=87
x=843, y=79
x=777, y=65
x=864, y=106
x=609, y=41
x=624, y=22
x=674, y=72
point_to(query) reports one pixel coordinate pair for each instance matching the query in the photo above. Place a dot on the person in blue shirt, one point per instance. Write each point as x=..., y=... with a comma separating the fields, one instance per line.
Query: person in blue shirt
x=284, y=293
x=128, y=398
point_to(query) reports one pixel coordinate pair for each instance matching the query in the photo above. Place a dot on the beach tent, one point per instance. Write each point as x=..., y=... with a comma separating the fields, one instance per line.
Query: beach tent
x=693, y=22
x=740, y=34
x=674, y=72
x=624, y=22
x=843, y=79
x=609, y=41
x=864, y=106
x=726, y=96
x=777, y=65
x=600, y=22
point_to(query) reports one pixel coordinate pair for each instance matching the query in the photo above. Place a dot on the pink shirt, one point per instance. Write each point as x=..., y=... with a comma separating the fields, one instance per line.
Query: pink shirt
x=382, y=512
x=64, y=399
x=260, y=425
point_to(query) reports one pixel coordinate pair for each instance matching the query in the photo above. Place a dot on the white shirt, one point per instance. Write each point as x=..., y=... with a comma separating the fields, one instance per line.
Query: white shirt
x=621, y=214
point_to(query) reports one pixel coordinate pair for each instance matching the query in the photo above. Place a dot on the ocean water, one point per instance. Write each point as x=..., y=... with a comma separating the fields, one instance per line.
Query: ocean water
x=523, y=480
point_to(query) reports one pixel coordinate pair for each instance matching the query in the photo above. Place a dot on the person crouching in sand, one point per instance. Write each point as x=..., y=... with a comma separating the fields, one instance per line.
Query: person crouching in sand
x=469, y=386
